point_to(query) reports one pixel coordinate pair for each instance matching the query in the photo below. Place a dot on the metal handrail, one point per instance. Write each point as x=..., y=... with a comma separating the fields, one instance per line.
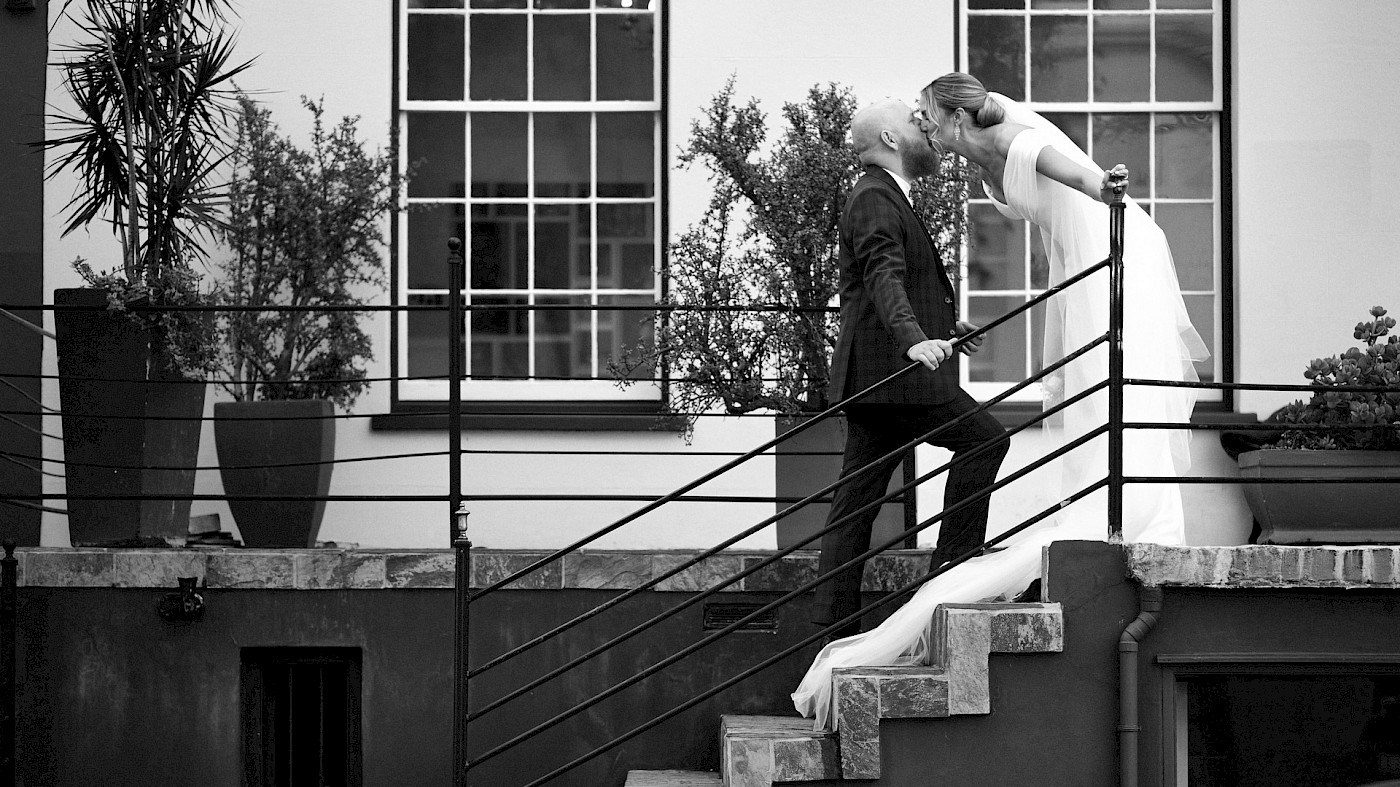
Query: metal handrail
x=785, y=512
x=778, y=555
x=803, y=588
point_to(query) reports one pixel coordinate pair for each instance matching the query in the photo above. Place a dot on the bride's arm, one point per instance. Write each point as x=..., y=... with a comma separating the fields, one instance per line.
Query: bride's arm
x=1057, y=166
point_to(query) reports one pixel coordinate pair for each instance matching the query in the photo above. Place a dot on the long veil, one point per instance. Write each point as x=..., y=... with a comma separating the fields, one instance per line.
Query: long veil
x=902, y=639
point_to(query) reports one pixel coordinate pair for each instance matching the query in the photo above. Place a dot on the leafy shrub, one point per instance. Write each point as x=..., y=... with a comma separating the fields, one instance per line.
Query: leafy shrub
x=1373, y=418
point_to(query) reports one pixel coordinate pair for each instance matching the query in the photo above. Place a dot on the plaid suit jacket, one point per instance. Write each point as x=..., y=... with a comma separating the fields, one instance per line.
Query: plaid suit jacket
x=894, y=294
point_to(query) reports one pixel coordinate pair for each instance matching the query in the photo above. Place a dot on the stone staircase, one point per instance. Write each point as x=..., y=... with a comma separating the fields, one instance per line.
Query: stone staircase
x=759, y=751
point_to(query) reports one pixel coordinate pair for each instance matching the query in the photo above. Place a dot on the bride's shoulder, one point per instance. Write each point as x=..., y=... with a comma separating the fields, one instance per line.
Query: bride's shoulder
x=1006, y=133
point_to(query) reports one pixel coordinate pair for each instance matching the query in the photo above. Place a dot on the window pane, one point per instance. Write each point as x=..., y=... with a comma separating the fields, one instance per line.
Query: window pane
x=997, y=257
x=498, y=4
x=561, y=57
x=1190, y=230
x=427, y=337
x=561, y=154
x=561, y=231
x=996, y=55
x=626, y=247
x=498, y=57
x=1059, y=4
x=625, y=57
x=435, y=57
x=1075, y=125
x=434, y=3
x=1122, y=139
x=429, y=227
x=435, y=143
x=563, y=339
x=1120, y=5
x=1201, y=309
x=1003, y=354
x=1120, y=58
x=979, y=4
x=1175, y=4
x=558, y=4
x=623, y=330
x=1185, y=58
x=625, y=154
x=499, y=154
x=1059, y=58
x=497, y=258
x=499, y=338
x=637, y=4
x=1185, y=167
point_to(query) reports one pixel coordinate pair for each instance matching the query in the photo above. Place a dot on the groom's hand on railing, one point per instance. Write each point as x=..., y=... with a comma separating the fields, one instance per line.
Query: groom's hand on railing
x=931, y=352
x=972, y=345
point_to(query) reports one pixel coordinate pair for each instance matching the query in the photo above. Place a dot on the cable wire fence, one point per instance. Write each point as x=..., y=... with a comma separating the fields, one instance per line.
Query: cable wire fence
x=479, y=735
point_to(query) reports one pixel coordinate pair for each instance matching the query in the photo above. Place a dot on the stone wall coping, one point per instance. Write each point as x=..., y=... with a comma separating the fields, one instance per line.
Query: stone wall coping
x=1264, y=566
x=397, y=569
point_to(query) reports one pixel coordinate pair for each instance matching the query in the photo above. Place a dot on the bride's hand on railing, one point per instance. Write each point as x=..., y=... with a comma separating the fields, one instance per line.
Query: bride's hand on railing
x=963, y=328
x=1114, y=185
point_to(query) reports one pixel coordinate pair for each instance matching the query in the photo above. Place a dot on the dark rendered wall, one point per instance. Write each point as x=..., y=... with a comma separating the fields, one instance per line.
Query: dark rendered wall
x=1054, y=716
x=22, y=63
x=111, y=694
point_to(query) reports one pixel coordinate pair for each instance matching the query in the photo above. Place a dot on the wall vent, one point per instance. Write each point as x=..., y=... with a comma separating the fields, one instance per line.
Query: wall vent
x=718, y=616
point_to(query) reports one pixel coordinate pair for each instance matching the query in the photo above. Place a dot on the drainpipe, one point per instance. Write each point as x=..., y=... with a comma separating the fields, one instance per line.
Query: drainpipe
x=1150, y=609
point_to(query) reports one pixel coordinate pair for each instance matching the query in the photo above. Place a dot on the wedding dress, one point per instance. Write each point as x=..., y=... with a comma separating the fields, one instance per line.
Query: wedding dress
x=1159, y=344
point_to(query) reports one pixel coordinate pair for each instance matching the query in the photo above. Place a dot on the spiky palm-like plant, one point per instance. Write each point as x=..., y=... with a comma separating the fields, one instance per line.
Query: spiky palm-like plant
x=151, y=86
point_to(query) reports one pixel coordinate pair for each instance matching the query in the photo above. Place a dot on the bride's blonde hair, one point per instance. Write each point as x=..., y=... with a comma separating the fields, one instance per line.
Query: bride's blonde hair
x=956, y=90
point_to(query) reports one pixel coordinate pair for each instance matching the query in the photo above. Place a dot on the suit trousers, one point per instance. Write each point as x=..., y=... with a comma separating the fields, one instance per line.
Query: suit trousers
x=874, y=430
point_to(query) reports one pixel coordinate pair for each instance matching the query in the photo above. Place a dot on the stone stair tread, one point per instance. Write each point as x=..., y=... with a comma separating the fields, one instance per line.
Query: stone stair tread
x=758, y=751
x=673, y=779
x=770, y=727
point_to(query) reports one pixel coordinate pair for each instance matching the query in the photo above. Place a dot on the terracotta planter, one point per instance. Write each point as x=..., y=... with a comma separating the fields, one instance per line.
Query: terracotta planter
x=252, y=439
x=808, y=462
x=1365, y=512
x=115, y=432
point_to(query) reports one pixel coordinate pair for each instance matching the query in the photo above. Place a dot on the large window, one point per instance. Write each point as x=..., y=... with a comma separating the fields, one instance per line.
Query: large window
x=1132, y=81
x=533, y=132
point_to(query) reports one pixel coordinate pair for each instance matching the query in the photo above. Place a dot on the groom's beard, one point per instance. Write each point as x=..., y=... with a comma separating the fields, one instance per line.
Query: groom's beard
x=920, y=161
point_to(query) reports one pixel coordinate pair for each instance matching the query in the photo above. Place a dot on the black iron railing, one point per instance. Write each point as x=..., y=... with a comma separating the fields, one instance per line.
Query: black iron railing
x=466, y=757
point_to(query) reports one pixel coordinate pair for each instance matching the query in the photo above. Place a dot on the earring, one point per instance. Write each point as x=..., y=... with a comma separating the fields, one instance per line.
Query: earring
x=957, y=133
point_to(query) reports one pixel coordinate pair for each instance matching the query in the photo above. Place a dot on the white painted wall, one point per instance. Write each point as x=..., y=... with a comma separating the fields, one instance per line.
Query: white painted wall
x=1315, y=235
x=1317, y=181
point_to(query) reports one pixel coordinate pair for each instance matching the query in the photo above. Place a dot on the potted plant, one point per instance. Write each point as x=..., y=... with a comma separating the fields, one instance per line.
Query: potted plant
x=768, y=239
x=144, y=139
x=1365, y=447
x=304, y=231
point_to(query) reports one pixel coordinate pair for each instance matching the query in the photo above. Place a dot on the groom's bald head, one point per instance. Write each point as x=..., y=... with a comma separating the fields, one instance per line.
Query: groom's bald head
x=871, y=122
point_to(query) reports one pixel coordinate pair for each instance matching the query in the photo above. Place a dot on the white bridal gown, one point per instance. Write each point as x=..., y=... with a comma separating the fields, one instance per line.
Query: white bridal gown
x=1159, y=344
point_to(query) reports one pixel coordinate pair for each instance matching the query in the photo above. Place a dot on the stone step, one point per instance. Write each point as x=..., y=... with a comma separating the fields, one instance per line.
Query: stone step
x=673, y=779
x=757, y=751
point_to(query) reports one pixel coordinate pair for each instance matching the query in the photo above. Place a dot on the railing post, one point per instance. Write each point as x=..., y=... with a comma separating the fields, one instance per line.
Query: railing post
x=461, y=640
x=1115, y=364
x=457, y=520
x=9, y=571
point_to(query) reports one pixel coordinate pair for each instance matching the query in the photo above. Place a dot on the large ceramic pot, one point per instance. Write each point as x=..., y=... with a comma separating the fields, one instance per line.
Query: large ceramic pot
x=1364, y=512
x=811, y=460
x=276, y=449
x=131, y=424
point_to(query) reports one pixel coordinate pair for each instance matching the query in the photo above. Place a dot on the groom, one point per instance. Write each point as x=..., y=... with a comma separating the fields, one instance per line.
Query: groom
x=897, y=306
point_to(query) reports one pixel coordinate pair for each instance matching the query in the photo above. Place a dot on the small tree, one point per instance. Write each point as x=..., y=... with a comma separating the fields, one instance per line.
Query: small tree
x=304, y=229
x=768, y=242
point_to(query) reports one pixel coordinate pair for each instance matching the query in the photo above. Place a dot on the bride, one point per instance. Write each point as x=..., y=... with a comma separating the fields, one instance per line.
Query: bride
x=1031, y=171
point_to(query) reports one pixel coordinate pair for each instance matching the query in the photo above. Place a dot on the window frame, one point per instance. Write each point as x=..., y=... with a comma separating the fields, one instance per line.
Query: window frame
x=541, y=394
x=1221, y=153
